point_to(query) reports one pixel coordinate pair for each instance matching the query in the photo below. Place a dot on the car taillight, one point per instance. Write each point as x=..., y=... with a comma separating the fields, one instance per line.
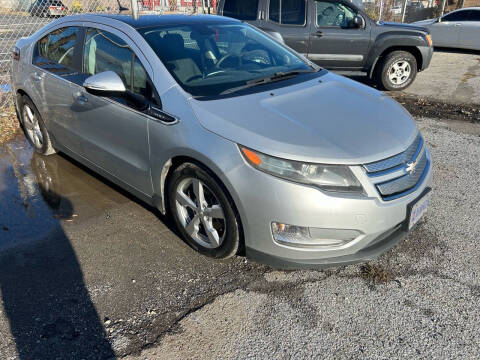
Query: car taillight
x=16, y=54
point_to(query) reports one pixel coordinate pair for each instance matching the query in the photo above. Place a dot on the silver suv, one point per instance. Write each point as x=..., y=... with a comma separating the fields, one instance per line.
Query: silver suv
x=244, y=142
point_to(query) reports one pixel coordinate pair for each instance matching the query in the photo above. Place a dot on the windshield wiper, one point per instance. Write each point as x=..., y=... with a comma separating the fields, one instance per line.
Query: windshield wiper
x=278, y=76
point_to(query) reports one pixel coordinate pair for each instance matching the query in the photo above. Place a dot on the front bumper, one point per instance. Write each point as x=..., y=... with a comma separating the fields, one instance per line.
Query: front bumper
x=383, y=243
x=427, y=53
x=381, y=223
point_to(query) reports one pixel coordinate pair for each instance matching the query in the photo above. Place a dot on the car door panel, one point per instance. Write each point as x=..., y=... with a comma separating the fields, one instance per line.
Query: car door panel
x=333, y=42
x=469, y=34
x=447, y=31
x=112, y=135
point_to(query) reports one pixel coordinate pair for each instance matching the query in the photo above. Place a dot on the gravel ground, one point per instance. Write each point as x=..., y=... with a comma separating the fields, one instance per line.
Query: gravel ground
x=420, y=300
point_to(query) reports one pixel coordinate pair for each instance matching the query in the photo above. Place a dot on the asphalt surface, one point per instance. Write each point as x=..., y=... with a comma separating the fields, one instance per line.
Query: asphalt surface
x=87, y=272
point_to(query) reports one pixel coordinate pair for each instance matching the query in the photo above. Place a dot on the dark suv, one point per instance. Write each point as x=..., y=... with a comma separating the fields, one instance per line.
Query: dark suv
x=338, y=34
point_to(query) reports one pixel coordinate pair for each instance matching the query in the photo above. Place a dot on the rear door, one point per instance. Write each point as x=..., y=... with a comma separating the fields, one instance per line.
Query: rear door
x=55, y=65
x=447, y=31
x=289, y=18
x=470, y=31
x=112, y=130
x=334, y=42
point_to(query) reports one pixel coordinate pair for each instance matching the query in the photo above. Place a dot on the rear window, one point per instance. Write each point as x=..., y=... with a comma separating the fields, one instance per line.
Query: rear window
x=58, y=46
x=241, y=9
x=288, y=12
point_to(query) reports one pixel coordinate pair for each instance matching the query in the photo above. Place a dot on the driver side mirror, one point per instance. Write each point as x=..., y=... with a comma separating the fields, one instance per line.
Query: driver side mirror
x=107, y=81
x=439, y=19
x=358, y=22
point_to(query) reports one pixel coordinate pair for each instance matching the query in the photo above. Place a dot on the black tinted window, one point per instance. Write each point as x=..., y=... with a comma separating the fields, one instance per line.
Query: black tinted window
x=456, y=16
x=241, y=9
x=274, y=10
x=289, y=12
x=58, y=46
x=474, y=15
x=293, y=12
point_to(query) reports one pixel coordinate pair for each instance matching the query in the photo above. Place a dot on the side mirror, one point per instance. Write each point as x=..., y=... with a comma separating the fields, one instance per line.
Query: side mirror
x=439, y=19
x=107, y=81
x=358, y=22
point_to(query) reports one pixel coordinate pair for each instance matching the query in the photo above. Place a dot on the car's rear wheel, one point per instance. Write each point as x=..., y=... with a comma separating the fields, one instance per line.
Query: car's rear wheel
x=203, y=212
x=34, y=127
x=396, y=70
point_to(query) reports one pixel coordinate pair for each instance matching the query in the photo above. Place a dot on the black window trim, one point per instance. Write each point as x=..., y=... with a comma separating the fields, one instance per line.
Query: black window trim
x=279, y=23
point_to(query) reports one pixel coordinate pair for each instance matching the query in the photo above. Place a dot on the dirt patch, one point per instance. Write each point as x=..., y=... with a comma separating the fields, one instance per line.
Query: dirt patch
x=9, y=126
x=422, y=107
x=375, y=274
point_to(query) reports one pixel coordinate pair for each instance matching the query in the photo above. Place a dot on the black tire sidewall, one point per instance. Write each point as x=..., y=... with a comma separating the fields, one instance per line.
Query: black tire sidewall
x=389, y=60
x=46, y=138
x=231, y=243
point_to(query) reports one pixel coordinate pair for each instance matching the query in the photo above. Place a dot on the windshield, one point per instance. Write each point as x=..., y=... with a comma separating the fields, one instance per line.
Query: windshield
x=210, y=58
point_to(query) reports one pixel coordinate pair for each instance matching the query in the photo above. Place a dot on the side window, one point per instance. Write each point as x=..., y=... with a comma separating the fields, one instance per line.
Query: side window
x=334, y=14
x=274, y=11
x=287, y=12
x=474, y=15
x=461, y=15
x=56, y=49
x=241, y=9
x=104, y=51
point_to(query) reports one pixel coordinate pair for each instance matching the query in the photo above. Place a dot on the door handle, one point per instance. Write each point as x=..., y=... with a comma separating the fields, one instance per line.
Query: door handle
x=317, y=34
x=80, y=98
x=458, y=24
x=37, y=77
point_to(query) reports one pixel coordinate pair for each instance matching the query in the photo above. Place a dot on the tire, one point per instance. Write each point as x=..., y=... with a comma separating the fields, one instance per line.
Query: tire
x=34, y=127
x=191, y=223
x=396, y=71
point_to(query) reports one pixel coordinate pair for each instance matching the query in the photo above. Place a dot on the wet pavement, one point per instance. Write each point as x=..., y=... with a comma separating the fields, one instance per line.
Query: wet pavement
x=87, y=271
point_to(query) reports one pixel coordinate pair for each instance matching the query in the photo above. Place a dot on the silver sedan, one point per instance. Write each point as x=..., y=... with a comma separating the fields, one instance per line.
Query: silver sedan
x=243, y=142
x=457, y=29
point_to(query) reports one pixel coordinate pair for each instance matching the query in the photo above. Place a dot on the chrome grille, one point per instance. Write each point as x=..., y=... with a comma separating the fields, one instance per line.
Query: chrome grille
x=397, y=160
x=401, y=174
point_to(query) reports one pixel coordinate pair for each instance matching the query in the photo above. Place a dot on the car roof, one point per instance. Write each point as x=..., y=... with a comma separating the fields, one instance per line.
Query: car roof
x=144, y=21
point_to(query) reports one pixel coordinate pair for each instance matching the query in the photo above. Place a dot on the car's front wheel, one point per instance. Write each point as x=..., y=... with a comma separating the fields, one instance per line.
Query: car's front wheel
x=34, y=127
x=203, y=212
x=396, y=70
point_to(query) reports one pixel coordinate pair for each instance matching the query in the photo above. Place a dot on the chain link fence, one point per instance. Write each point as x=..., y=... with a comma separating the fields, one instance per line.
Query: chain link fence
x=20, y=18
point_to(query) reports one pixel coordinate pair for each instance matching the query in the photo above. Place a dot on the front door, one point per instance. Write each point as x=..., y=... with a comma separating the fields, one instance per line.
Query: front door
x=112, y=129
x=447, y=31
x=334, y=42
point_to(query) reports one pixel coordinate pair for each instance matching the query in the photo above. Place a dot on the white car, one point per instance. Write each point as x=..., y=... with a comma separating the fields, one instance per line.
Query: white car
x=457, y=29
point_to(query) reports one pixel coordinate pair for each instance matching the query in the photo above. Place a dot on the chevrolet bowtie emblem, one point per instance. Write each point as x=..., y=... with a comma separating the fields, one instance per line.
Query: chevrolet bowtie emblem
x=411, y=167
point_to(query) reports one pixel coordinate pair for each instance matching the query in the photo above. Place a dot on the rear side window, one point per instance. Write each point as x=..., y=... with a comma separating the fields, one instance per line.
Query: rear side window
x=287, y=12
x=57, y=48
x=474, y=15
x=241, y=9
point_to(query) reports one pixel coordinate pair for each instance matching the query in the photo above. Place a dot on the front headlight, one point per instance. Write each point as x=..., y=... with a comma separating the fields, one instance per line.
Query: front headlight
x=326, y=177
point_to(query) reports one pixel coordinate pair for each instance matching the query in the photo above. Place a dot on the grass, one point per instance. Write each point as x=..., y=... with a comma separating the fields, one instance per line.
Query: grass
x=9, y=126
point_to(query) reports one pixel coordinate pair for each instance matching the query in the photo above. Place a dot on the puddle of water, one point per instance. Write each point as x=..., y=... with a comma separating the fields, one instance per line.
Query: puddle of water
x=38, y=193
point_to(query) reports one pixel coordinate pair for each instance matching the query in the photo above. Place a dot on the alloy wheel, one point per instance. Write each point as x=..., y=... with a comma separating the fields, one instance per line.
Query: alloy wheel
x=200, y=213
x=32, y=127
x=399, y=72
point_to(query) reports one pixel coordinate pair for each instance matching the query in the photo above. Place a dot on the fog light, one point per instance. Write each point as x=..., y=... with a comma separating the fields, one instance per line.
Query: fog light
x=302, y=236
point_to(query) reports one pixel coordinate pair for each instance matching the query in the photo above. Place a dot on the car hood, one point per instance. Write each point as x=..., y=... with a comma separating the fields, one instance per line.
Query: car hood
x=402, y=26
x=336, y=121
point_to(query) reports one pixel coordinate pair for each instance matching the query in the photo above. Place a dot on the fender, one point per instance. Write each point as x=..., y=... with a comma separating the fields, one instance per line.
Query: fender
x=393, y=39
